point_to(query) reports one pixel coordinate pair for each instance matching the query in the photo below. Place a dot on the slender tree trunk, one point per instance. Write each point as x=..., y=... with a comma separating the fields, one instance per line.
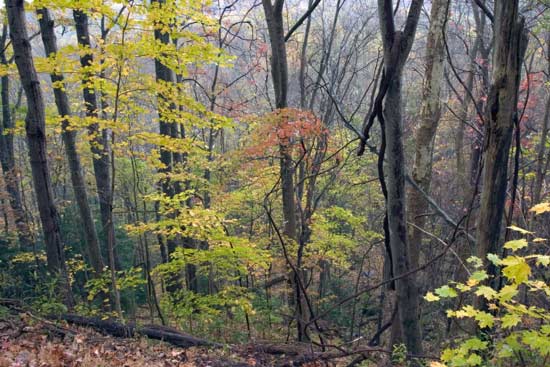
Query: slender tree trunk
x=35, y=127
x=279, y=72
x=303, y=62
x=7, y=156
x=429, y=120
x=540, y=172
x=397, y=46
x=165, y=75
x=69, y=140
x=510, y=44
x=99, y=144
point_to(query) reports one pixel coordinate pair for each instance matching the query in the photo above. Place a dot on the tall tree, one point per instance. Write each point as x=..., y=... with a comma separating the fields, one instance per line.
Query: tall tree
x=540, y=171
x=167, y=128
x=99, y=145
x=69, y=139
x=35, y=128
x=7, y=154
x=429, y=120
x=279, y=73
x=510, y=40
x=388, y=108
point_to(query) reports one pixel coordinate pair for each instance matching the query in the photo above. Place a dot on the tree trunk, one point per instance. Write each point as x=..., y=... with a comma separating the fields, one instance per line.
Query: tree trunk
x=397, y=46
x=510, y=44
x=7, y=157
x=429, y=120
x=279, y=72
x=99, y=144
x=541, y=151
x=69, y=140
x=169, y=160
x=35, y=127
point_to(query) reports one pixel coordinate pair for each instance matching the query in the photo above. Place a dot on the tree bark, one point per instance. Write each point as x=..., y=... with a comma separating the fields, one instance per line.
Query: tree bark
x=429, y=120
x=397, y=46
x=7, y=156
x=541, y=150
x=35, y=128
x=69, y=140
x=99, y=144
x=279, y=72
x=501, y=111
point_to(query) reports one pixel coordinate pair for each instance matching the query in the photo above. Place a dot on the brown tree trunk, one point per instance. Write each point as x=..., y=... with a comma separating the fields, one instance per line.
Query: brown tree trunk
x=7, y=157
x=169, y=160
x=99, y=144
x=397, y=46
x=429, y=120
x=541, y=151
x=279, y=73
x=35, y=127
x=510, y=44
x=69, y=140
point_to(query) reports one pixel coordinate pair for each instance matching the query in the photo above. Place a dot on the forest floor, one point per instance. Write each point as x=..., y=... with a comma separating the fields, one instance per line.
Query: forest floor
x=29, y=341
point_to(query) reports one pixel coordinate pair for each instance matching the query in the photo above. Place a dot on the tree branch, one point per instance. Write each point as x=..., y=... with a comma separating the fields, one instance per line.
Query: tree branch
x=302, y=19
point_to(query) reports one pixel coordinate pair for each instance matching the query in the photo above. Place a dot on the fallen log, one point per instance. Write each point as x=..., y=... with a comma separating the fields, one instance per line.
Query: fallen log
x=157, y=332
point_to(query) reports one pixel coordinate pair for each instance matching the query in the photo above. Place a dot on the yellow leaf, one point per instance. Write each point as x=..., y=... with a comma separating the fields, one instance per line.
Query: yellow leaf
x=516, y=244
x=540, y=208
x=507, y=292
x=430, y=297
x=520, y=230
x=487, y=292
x=516, y=268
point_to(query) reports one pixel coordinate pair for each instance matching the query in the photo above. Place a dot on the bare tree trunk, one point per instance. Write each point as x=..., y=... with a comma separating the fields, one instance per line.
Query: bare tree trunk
x=510, y=44
x=429, y=120
x=7, y=156
x=35, y=127
x=69, y=140
x=397, y=46
x=279, y=72
x=541, y=151
x=99, y=144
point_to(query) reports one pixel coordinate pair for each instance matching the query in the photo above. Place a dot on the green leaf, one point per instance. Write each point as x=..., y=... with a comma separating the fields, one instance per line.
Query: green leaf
x=510, y=320
x=484, y=319
x=479, y=275
x=516, y=269
x=474, y=344
x=507, y=292
x=475, y=261
x=474, y=360
x=446, y=292
x=494, y=259
x=487, y=292
x=516, y=244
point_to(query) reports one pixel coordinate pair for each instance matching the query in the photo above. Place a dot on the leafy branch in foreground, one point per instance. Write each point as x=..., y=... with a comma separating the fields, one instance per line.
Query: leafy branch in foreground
x=513, y=326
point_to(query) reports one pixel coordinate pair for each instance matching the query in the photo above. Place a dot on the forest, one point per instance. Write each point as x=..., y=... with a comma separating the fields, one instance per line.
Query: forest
x=275, y=183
